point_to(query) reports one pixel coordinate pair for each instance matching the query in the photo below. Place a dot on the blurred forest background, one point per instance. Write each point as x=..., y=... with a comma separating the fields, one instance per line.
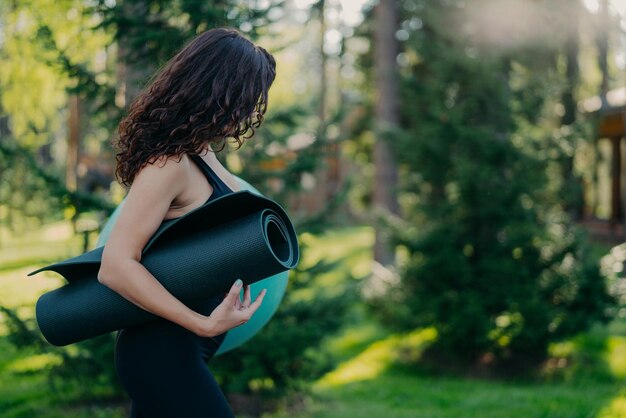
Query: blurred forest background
x=454, y=168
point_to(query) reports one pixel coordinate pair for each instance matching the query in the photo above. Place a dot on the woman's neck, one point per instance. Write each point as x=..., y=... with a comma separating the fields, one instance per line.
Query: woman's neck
x=207, y=152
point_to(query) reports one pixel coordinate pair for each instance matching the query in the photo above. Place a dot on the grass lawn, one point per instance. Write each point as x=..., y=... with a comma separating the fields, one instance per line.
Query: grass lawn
x=373, y=384
x=373, y=377
x=400, y=394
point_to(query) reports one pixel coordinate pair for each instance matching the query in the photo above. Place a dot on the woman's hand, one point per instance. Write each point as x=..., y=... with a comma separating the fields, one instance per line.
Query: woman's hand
x=231, y=312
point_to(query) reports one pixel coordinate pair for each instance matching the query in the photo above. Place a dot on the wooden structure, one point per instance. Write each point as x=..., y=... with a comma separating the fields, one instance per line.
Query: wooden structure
x=610, y=131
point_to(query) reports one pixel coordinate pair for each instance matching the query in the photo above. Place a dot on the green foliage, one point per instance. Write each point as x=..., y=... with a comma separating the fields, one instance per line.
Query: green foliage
x=41, y=40
x=31, y=191
x=49, y=39
x=491, y=261
x=154, y=30
x=84, y=369
x=87, y=368
x=20, y=332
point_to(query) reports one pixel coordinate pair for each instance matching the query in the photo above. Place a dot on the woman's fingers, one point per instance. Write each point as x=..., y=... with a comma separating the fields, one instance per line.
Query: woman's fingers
x=247, y=313
x=233, y=293
x=228, y=315
x=247, y=307
x=257, y=302
x=246, y=297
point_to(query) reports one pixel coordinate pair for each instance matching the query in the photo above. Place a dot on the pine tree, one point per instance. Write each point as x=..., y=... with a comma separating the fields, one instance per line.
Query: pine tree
x=492, y=263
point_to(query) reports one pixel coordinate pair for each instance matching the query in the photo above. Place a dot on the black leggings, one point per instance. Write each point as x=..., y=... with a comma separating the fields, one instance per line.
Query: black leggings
x=162, y=366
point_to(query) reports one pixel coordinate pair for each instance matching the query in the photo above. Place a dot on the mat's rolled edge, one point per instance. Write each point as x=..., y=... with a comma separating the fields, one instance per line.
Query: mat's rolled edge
x=276, y=235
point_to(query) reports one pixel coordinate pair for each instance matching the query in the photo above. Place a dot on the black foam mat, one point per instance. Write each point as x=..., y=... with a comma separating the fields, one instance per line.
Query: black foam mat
x=197, y=256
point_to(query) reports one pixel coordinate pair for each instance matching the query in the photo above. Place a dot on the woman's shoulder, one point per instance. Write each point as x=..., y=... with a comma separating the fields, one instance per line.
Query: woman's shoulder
x=168, y=160
x=164, y=169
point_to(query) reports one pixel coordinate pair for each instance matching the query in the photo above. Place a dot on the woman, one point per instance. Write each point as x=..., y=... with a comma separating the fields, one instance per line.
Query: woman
x=216, y=87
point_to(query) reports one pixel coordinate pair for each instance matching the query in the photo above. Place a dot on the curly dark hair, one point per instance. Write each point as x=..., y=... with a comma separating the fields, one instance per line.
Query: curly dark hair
x=215, y=87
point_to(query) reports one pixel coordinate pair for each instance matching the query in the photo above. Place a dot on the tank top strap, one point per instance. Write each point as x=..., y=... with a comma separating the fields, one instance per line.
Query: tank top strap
x=220, y=188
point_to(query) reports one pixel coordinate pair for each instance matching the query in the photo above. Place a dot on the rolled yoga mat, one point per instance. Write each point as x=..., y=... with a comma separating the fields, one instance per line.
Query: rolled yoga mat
x=197, y=256
x=275, y=285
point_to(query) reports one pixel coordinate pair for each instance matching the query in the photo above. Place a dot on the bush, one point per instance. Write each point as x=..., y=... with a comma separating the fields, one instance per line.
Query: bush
x=494, y=271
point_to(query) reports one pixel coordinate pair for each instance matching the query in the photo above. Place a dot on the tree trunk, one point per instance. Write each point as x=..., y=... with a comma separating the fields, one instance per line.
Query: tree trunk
x=322, y=110
x=387, y=106
x=5, y=133
x=73, y=141
x=603, y=50
x=616, y=179
x=574, y=204
x=572, y=77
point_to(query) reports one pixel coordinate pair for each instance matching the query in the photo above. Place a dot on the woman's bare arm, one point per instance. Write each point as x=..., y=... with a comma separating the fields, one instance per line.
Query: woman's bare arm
x=148, y=200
